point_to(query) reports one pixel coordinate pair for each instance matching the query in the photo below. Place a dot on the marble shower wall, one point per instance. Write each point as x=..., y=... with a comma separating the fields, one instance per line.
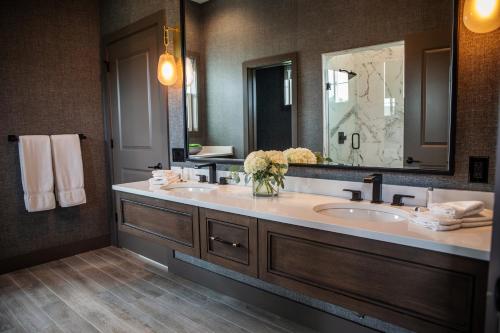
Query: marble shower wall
x=371, y=103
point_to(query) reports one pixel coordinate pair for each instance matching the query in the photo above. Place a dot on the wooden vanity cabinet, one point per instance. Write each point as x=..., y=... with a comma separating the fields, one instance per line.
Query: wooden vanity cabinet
x=172, y=224
x=421, y=290
x=417, y=289
x=229, y=240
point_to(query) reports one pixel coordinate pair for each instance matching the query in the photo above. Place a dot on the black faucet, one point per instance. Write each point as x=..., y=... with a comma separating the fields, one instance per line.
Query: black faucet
x=397, y=199
x=376, y=180
x=212, y=170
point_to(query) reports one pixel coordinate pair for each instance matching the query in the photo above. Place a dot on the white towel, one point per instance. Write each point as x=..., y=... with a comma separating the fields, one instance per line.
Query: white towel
x=68, y=169
x=36, y=172
x=458, y=226
x=456, y=209
x=426, y=219
x=164, y=173
x=164, y=181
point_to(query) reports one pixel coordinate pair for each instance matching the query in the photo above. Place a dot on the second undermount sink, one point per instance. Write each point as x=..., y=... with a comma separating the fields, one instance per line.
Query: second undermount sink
x=190, y=187
x=362, y=212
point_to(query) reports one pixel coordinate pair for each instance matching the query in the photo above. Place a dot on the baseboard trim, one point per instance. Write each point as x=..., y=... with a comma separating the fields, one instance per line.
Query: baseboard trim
x=300, y=313
x=53, y=253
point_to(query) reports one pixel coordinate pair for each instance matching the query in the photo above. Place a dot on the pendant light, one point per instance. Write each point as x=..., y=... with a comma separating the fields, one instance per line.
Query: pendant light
x=167, y=67
x=482, y=16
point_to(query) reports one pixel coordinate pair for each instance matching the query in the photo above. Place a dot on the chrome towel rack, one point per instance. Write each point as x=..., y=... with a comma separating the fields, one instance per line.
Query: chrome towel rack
x=15, y=138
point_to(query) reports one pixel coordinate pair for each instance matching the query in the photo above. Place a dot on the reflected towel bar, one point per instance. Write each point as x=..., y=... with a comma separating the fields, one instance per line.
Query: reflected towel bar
x=15, y=138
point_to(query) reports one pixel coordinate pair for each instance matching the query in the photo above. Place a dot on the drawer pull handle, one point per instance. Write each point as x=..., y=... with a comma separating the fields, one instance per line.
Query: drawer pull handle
x=220, y=240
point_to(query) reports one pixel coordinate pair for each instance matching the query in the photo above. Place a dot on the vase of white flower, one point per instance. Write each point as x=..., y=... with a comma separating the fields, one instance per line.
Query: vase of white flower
x=266, y=187
x=267, y=171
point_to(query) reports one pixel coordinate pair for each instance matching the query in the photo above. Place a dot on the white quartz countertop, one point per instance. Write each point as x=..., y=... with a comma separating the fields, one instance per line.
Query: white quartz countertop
x=297, y=209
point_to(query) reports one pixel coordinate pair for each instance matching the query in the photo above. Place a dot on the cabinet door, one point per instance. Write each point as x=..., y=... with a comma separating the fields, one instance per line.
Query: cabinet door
x=229, y=240
x=417, y=289
x=172, y=224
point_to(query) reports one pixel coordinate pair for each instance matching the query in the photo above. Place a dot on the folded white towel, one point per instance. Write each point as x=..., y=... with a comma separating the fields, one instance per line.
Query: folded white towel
x=484, y=215
x=68, y=169
x=167, y=179
x=426, y=219
x=456, y=209
x=458, y=226
x=36, y=172
x=163, y=173
x=164, y=181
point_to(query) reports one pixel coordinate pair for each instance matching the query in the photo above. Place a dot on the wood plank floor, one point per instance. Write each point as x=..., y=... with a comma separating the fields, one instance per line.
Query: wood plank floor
x=114, y=290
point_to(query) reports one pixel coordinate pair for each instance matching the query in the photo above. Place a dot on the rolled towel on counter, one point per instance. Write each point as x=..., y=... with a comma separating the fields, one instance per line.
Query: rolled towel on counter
x=456, y=209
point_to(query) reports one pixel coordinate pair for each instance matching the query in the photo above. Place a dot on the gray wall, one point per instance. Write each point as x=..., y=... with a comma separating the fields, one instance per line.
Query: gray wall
x=477, y=112
x=50, y=74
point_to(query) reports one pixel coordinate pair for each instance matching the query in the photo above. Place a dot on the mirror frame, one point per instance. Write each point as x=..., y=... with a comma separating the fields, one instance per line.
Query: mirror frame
x=453, y=111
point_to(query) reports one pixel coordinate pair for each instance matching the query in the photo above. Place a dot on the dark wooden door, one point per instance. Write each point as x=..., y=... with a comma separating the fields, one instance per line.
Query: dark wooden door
x=137, y=101
x=427, y=99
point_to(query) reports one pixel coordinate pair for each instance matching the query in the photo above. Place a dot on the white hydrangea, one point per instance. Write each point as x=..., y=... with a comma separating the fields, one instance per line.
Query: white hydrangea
x=300, y=155
x=277, y=157
x=256, y=161
x=260, y=160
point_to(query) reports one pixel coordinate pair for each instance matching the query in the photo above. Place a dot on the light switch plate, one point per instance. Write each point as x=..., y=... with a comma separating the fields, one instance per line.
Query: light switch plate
x=478, y=169
x=178, y=155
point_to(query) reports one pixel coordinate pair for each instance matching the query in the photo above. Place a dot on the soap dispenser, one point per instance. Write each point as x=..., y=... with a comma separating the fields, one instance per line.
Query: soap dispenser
x=430, y=192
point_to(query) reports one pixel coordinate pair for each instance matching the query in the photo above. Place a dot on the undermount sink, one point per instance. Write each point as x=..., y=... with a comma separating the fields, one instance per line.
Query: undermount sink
x=362, y=212
x=190, y=187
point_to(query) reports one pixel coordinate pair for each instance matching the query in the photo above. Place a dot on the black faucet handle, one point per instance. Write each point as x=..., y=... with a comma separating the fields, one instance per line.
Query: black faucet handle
x=202, y=178
x=356, y=195
x=397, y=199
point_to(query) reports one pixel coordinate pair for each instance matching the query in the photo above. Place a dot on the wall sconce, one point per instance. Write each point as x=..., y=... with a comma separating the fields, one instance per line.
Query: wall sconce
x=167, y=67
x=482, y=16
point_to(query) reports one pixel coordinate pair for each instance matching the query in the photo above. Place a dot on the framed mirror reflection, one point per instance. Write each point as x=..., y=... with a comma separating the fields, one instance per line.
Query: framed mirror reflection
x=358, y=84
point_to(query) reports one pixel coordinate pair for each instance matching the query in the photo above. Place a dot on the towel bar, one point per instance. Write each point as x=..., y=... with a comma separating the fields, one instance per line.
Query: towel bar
x=15, y=138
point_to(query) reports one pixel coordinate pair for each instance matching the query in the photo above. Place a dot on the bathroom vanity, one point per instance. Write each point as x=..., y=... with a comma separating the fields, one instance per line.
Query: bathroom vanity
x=400, y=273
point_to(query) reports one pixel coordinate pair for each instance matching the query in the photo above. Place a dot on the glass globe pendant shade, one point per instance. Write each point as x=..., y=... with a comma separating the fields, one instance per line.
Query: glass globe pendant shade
x=167, y=69
x=482, y=16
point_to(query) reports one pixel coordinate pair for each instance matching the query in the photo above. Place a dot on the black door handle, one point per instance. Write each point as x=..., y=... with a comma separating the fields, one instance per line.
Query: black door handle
x=410, y=160
x=355, y=135
x=158, y=166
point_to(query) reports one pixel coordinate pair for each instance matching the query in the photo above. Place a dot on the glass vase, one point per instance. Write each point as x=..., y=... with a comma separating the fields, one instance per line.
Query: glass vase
x=266, y=187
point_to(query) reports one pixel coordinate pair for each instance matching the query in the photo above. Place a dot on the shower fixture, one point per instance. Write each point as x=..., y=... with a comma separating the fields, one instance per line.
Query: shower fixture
x=350, y=74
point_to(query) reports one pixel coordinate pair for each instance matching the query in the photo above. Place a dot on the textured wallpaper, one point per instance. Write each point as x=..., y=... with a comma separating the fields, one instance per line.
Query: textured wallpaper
x=50, y=74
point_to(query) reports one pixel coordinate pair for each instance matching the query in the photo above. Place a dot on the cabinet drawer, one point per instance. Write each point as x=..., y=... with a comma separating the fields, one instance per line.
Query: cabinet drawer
x=229, y=240
x=425, y=291
x=172, y=224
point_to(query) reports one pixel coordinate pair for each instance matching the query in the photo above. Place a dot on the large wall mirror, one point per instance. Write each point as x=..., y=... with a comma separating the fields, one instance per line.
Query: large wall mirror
x=363, y=84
